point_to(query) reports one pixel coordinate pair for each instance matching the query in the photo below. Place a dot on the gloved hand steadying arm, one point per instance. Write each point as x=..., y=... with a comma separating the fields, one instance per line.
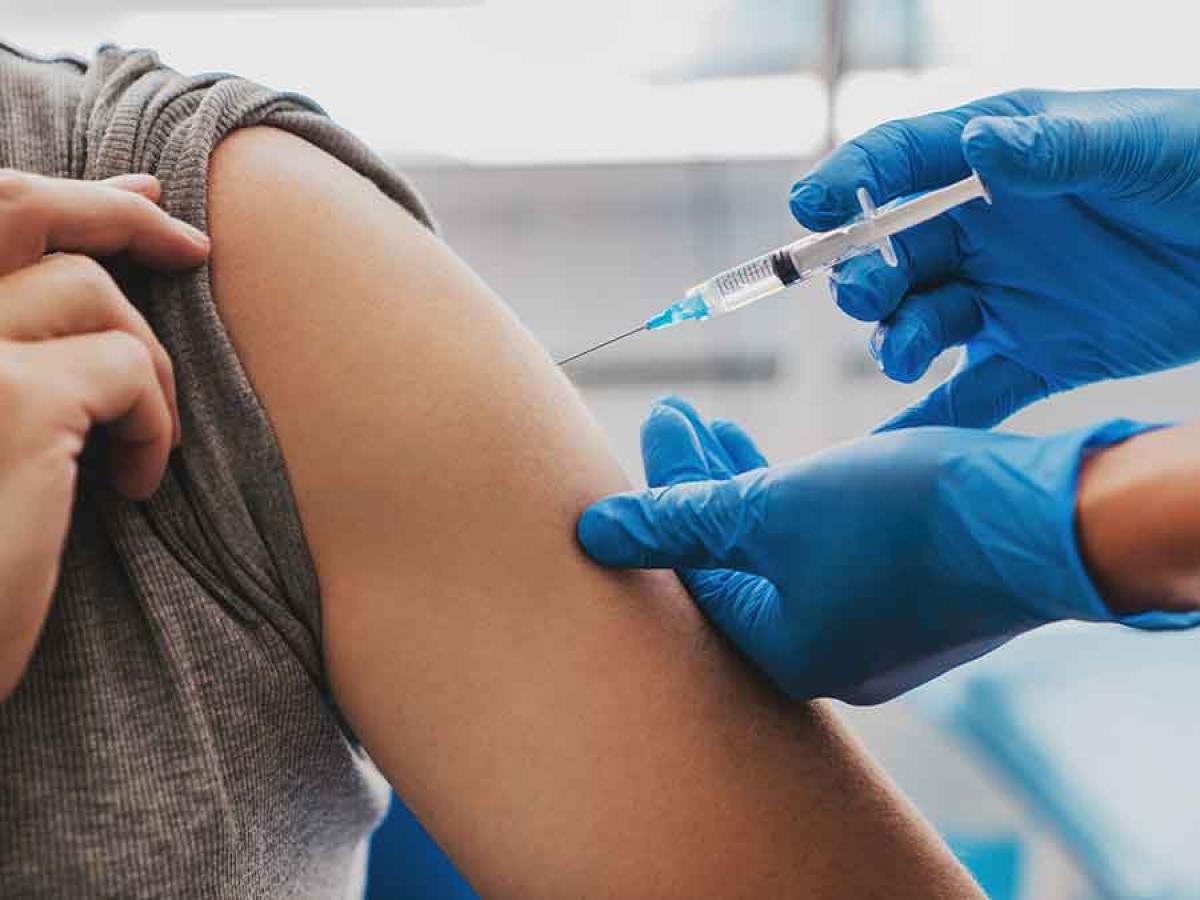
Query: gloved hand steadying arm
x=872, y=567
x=1086, y=266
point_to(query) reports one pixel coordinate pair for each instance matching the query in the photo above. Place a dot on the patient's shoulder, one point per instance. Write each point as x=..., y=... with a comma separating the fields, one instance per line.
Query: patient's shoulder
x=254, y=167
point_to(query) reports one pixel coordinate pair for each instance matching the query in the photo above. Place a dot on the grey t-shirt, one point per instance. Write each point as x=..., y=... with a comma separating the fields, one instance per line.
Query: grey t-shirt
x=174, y=735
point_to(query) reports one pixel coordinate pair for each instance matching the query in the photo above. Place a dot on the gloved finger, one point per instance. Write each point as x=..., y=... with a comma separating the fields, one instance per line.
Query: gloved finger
x=977, y=396
x=868, y=289
x=890, y=160
x=671, y=450
x=925, y=324
x=697, y=525
x=1048, y=154
x=719, y=463
x=739, y=447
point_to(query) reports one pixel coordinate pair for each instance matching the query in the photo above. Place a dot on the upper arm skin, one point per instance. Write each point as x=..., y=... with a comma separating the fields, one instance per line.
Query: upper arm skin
x=562, y=730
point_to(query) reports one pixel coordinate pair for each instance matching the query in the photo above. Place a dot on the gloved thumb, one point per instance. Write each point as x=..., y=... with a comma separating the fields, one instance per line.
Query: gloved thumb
x=696, y=525
x=1048, y=154
x=979, y=395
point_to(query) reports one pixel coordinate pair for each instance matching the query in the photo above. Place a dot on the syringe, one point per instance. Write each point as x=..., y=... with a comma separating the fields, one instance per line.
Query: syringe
x=772, y=272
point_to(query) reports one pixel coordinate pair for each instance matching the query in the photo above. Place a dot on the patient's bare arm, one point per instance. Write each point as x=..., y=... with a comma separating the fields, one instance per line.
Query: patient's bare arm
x=562, y=730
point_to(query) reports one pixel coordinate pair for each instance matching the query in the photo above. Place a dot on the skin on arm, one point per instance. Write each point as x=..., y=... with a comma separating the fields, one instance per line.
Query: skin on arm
x=561, y=729
x=1138, y=521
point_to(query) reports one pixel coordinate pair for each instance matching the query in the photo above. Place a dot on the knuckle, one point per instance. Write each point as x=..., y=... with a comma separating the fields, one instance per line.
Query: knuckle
x=893, y=131
x=84, y=273
x=1027, y=99
x=862, y=150
x=95, y=295
x=125, y=353
x=136, y=205
x=896, y=134
x=14, y=377
x=18, y=190
x=18, y=385
x=923, y=316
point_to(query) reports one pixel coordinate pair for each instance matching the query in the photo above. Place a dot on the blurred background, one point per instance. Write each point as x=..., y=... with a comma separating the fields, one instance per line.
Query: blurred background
x=594, y=158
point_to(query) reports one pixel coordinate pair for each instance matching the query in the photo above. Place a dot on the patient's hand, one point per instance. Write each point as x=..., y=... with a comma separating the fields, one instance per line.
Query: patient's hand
x=561, y=729
x=73, y=353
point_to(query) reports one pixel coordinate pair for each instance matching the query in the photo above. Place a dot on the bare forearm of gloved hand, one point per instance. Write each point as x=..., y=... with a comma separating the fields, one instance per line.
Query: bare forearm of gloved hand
x=1138, y=520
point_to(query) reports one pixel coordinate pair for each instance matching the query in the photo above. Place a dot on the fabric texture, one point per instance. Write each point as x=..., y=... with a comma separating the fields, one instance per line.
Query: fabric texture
x=174, y=736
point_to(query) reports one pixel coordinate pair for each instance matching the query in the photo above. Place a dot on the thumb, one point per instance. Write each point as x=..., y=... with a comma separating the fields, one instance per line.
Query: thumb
x=1052, y=154
x=697, y=525
x=977, y=396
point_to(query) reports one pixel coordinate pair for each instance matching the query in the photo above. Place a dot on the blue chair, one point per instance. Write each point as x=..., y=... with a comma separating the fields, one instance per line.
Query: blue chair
x=406, y=862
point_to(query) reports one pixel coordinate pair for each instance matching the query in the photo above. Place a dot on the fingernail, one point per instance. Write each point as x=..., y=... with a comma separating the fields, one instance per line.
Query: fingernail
x=909, y=346
x=196, y=235
x=856, y=291
x=809, y=195
x=875, y=344
x=140, y=182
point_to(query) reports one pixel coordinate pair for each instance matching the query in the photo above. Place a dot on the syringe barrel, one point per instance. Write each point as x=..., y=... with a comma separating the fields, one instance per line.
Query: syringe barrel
x=818, y=252
x=743, y=284
x=772, y=272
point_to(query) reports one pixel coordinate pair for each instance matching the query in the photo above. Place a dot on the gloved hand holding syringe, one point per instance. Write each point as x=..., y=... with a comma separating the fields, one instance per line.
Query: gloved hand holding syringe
x=772, y=272
x=872, y=567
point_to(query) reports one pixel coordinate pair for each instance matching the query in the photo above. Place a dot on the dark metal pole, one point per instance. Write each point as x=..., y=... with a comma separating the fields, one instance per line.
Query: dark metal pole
x=834, y=63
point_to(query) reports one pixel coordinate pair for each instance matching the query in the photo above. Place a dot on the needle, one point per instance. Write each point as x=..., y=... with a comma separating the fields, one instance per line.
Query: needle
x=563, y=362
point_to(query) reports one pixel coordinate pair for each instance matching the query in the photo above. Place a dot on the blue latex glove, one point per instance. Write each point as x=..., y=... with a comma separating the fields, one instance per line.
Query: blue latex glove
x=872, y=567
x=1086, y=266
